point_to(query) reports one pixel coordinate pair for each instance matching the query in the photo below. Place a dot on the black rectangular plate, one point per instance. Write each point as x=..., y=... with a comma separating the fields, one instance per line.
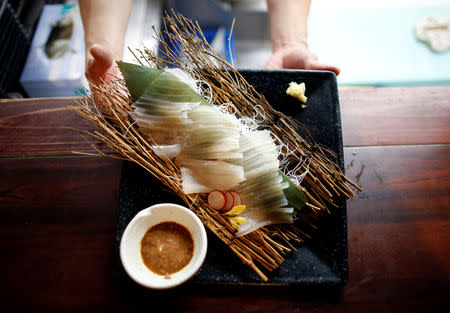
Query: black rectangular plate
x=322, y=260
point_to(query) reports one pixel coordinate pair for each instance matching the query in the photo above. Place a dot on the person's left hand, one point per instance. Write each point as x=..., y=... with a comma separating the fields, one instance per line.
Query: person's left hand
x=102, y=71
x=297, y=56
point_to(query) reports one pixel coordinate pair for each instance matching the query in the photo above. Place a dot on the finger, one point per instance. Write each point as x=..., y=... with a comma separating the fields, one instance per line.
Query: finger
x=102, y=55
x=274, y=63
x=88, y=70
x=102, y=62
x=324, y=67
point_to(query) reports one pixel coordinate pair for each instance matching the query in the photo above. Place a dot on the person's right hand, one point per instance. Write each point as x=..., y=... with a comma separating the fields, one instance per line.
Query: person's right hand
x=297, y=56
x=101, y=67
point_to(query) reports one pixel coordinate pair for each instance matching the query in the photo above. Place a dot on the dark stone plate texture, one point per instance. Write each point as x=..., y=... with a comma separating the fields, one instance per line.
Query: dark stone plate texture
x=322, y=260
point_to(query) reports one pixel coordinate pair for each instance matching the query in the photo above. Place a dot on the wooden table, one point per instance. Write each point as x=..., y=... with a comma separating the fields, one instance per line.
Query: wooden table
x=58, y=214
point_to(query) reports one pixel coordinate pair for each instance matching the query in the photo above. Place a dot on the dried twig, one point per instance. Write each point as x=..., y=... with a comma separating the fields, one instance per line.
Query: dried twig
x=183, y=45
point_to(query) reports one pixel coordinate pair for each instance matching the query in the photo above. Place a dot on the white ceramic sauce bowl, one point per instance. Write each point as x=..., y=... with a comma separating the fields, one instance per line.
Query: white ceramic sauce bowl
x=130, y=245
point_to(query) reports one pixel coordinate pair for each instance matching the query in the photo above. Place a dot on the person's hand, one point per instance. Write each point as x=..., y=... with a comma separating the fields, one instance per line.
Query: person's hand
x=102, y=71
x=297, y=56
x=101, y=67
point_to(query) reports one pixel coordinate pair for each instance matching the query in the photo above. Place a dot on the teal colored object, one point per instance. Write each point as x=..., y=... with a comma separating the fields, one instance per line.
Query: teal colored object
x=378, y=47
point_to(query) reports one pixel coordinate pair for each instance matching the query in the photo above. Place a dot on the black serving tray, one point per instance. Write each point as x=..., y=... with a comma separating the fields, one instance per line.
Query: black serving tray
x=322, y=260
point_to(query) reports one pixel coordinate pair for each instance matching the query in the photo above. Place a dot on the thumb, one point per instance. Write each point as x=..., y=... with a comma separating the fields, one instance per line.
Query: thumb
x=315, y=65
x=274, y=63
x=100, y=64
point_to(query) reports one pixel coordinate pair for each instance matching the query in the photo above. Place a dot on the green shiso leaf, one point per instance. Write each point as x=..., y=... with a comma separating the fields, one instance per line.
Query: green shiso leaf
x=164, y=85
x=137, y=77
x=294, y=195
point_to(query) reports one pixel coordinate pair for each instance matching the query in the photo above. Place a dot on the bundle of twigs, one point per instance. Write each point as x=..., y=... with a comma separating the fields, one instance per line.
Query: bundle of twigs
x=183, y=45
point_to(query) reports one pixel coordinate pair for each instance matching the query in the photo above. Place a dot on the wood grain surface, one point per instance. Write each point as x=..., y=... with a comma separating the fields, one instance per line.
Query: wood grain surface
x=38, y=127
x=370, y=116
x=395, y=116
x=59, y=215
x=58, y=189
x=399, y=226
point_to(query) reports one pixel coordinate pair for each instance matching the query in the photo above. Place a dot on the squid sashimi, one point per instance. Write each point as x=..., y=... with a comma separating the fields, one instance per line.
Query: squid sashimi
x=212, y=148
x=262, y=191
x=212, y=151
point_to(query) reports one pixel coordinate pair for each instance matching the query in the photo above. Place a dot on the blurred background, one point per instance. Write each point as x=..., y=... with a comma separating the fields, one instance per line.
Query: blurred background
x=374, y=42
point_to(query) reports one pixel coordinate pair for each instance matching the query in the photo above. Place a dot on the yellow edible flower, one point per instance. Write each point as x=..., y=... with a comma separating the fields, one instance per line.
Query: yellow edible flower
x=236, y=210
x=237, y=221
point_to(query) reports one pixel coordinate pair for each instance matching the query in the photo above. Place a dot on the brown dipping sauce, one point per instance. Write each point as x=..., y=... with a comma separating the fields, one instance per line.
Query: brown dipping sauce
x=166, y=248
